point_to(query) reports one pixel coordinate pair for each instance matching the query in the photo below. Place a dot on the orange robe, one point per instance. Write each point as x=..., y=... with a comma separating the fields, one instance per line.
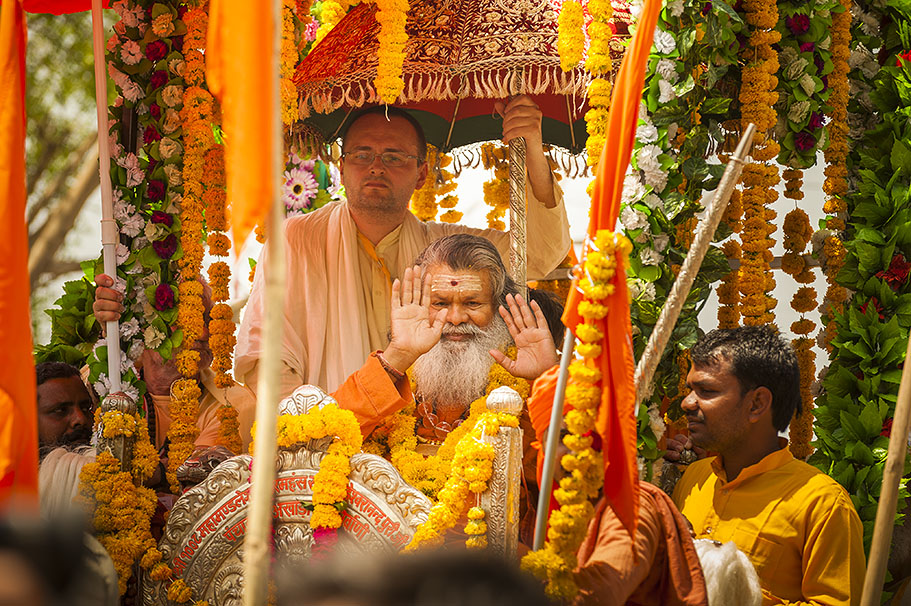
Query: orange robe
x=665, y=569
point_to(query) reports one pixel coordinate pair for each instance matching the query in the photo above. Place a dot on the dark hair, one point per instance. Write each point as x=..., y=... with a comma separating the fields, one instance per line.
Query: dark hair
x=552, y=308
x=388, y=113
x=758, y=357
x=45, y=371
x=468, y=252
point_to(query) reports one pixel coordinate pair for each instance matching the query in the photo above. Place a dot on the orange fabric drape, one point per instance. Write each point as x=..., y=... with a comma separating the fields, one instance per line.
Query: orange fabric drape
x=616, y=421
x=18, y=411
x=240, y=63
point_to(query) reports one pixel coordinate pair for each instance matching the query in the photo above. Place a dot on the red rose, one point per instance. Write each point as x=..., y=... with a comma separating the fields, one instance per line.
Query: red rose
x=155, y=190
x=156, y=50
x=158, y=79
x=876, y=305
x=905, y=55
x=150, y=135
x=164, y=297
x=816, y=120
x=166, y=247
x=155, y=111
x=162, y=217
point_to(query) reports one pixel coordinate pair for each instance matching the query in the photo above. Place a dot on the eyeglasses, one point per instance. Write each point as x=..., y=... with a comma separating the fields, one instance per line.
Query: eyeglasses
x=365, y=157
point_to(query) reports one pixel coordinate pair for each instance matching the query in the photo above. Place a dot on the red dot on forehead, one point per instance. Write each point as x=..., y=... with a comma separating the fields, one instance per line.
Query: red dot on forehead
x=454, y=282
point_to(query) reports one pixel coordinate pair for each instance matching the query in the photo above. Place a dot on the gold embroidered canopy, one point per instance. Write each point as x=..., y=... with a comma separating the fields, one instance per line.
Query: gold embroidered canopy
x=461, y=55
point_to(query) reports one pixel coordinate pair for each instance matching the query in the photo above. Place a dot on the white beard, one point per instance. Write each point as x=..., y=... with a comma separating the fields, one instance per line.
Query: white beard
x=455, y=373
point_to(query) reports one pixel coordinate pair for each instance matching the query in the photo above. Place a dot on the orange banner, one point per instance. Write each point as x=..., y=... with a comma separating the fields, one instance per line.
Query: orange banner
x=241, y=60
x=616, y=420
x=18, y=408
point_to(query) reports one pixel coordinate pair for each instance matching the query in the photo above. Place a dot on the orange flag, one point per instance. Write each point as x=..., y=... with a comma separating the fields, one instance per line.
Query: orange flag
x=240, y=63
x=18, y=409
x=616, y=420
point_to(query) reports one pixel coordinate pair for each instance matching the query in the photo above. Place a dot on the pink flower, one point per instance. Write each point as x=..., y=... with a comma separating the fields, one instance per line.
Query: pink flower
x=324, y=540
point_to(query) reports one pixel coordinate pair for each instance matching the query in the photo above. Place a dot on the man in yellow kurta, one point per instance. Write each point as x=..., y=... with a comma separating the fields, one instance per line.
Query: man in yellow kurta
x=343, y=257
x=796, y=524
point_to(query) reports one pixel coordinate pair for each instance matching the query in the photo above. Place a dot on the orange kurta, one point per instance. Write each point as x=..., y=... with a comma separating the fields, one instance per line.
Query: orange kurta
x=665, y=570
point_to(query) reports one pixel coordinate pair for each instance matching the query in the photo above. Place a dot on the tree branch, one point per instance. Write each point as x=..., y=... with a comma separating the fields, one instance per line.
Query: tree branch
x=53, y=191
x=49, y=238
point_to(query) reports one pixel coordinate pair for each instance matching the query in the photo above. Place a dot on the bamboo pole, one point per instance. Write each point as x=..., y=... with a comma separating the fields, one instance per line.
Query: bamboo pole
x=648, y=363
x=110, y=236
x=257, y=556
x=888, y=496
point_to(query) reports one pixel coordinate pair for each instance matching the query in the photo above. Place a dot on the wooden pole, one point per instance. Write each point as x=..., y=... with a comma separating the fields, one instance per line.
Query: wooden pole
x=888, y=496
x=654, y=349
x=110, y=236
x=257, y=556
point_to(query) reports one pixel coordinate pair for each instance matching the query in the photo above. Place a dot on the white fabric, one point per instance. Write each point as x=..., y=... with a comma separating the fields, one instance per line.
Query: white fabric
x=325, y=338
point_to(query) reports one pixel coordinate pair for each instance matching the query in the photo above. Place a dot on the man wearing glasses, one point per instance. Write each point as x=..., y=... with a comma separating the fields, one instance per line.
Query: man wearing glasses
x=343, y=258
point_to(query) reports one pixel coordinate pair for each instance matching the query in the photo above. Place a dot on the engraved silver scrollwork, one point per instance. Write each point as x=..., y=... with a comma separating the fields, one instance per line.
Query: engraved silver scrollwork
x=204, y=535
x=501, y=499
x=120, y=446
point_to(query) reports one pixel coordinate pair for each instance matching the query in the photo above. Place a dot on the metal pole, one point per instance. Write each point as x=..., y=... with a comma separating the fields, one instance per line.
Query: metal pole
x=888, y=496
x=110, y=236
x=553, y=437
x=257, y=557
x=517, y=208
x=645, y=370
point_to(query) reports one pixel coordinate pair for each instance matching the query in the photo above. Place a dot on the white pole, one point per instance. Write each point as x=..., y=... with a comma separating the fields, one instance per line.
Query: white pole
x=109, y=234
x=259, y=522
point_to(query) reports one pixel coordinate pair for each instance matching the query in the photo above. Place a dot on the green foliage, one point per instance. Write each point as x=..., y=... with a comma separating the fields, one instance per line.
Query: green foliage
x=855, y=409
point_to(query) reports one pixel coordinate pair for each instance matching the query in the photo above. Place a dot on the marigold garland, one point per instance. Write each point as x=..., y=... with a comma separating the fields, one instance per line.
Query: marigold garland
x=568, y=525
x=424, y=199
x=122, y=507
x=599, y=64
x=472, y=468
x=496, y=189
x=570, y=35
x=836, y=183
x=391, y=15
x=330, y=485
x=758, y=98
x=287, y=64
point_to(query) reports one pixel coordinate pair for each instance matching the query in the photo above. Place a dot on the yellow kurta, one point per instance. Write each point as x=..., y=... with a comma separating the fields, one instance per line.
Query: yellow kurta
x=337, y=302
x=796, y=524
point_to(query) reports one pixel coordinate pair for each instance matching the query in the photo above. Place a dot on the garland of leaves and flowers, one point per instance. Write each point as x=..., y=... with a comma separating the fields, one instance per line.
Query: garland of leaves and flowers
x=836, y=154
x=856, y=406
x=496, y=189
x=472, y=468
x=685, y=102
x=397, y=440
x=570, y=35
x=122, y=507
x=556, y=561
x=436, y=192
x=330, y=486
x=758, y=99
x=288, y=61
x=797, y=234
x=598, y=63
x=147, y=68
x=391, y=15
x=806, y=61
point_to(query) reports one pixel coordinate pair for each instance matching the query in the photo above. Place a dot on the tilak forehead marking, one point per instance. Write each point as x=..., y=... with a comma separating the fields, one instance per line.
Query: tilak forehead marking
x=460, y=283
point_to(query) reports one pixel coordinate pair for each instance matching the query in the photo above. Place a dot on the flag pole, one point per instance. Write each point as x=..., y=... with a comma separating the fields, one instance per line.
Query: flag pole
x=257, y=542
x=888, y=496
x=110, y=236
x=648, y=363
